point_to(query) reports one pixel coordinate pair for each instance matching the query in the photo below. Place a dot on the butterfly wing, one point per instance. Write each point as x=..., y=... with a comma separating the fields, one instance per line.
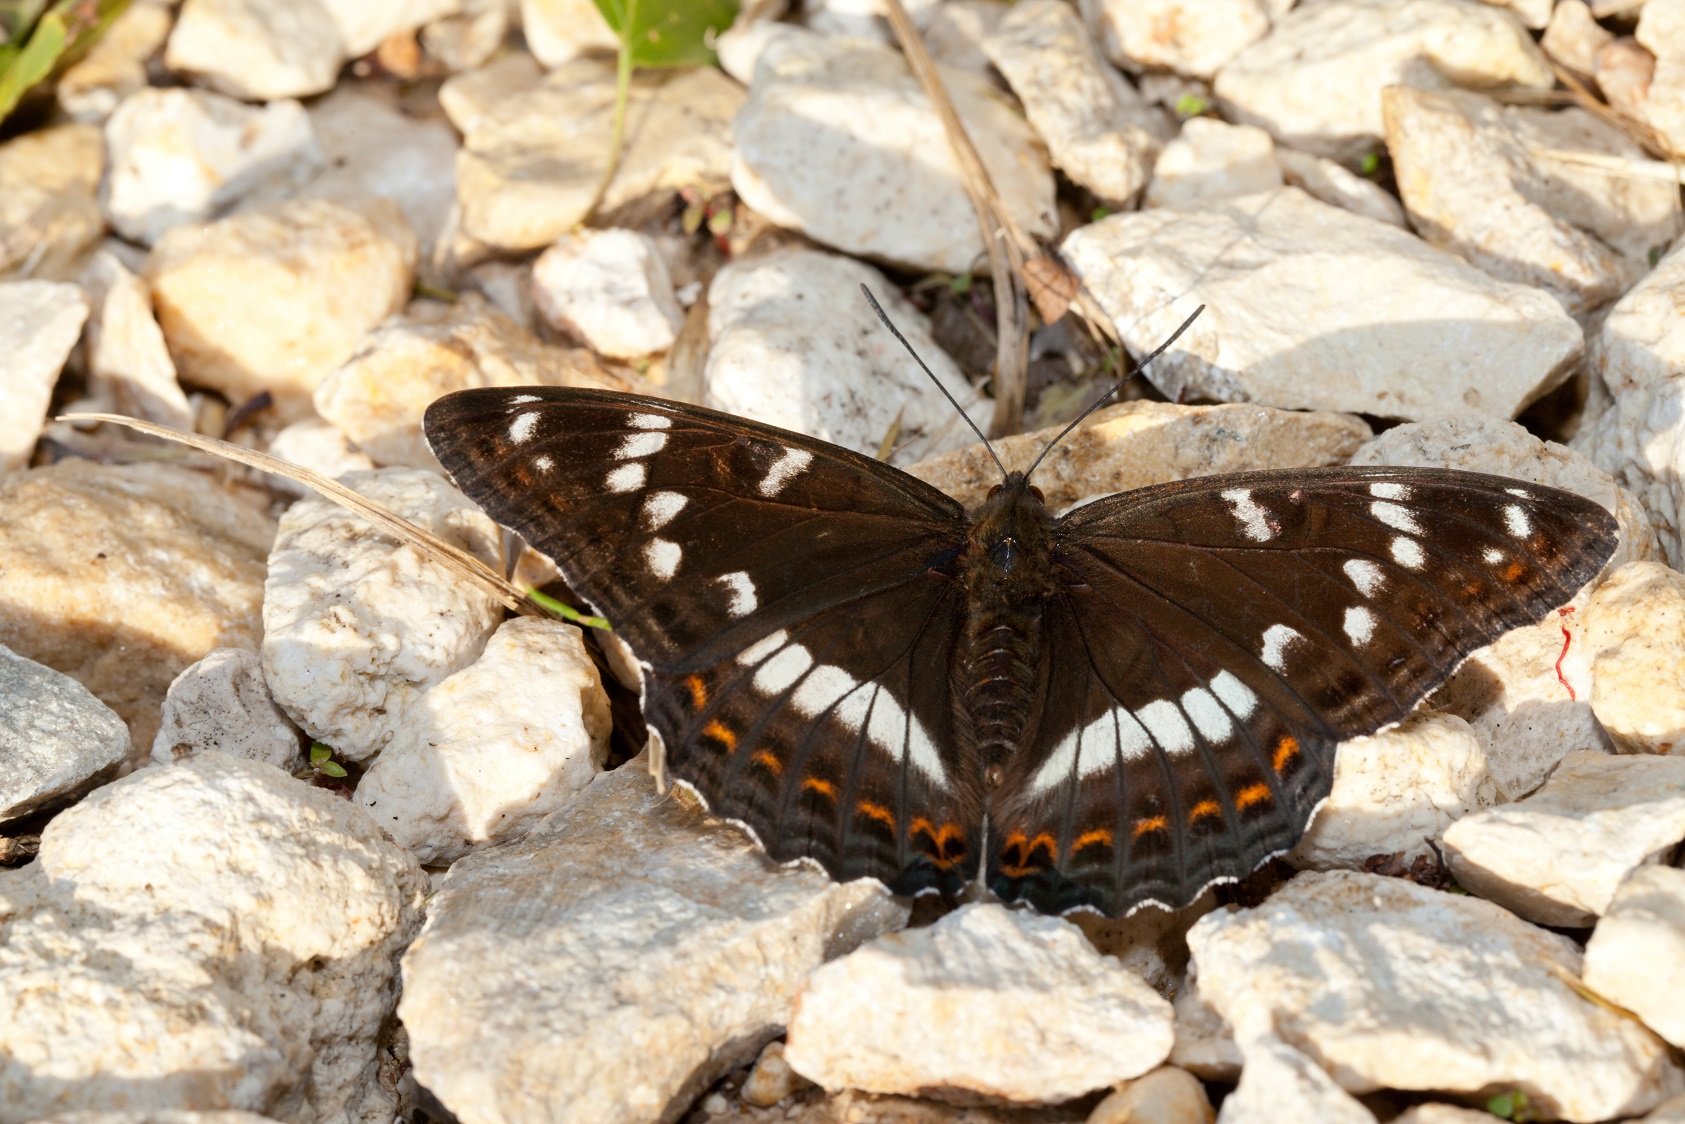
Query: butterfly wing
x=752, y=571
x=1218, y=637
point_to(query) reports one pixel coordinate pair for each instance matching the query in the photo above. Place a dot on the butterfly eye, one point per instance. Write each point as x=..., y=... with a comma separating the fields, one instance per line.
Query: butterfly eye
x=1036, y=492
x=996, y=490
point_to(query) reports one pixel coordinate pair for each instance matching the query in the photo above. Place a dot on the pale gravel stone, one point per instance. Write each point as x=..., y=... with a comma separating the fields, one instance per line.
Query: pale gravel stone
x=1471, y=184
x=49, y=213
x=1315, y=81
x=825, y=116
x=1339, y=186
x=182, y=155
x=1557, y=856
x=862, y=19
x=1442, y=1114
x=363, y=24
x=957, y=29
x=1397, y=792
x=559, y=31
x=128, y=365
x=1205, y=1044
x=1573, y=37
x=530, y=163
x=626, y=935
x=183, y=938
x=1211, y=159
x=315, y=444
x=470, y=37
x=610, y=290
x=1510, y=691
x=1167, y=1095
x=222, y=705
x=1334, y=965
x=1309, y=306
x=1636, y=956
x=794, y=344
x=116, y=66
x=1191, y=37
x=56, y=740
x=1623, y=71
x=377, y=398
x=159, y=1116
x=40, y=321
x=491, y=750
x=1135, y=444
x=465, y=97
x=1280, y=1083
x=356, y=627
x=122, y=575
x=947, y=1010
x=1673, y=1112
x=304, y=280
x=1639, y=354
x=256, y=50
x=1661, y=30
x=1635, y=639
x=1096, y=127
x=771, y=1079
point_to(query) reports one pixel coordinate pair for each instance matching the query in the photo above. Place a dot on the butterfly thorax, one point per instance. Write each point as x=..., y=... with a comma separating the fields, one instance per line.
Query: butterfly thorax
x=1007, y=573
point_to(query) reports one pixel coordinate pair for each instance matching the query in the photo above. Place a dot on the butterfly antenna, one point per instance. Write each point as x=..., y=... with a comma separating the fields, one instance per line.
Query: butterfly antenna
x=1119, y=385
x=896, y=332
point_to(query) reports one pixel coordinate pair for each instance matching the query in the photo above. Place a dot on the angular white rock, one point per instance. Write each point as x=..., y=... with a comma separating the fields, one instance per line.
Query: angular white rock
x=610, y=290
x=49, y=215
x=222, y=705
x=57, y=740
x=794, y=344
x=1097, y=129
x=825, y=116
x=116, y=66
x=1309, y=306
x=1635, y=638
x=1636, y=956
x=1211, y=159
x=1557, y=856
x=129, y=366
x=355, y=626
x=317, y=445
x=1661, y=30
x=363, y=24
x=618, y=959
x=1167, y=1095
x=1338, y=186
x=40, y=321
x=1279, y=1083
x=559, y=31
x=181, y=155
x=1192, y=37
x=257, y=50
x=1469, y=179
x=494, y=748
x=1315, y=81
x=1573, y=37
x=948, y=1008
x=957, y=30
x=213, y=932
x=1397, y=792
x=1392, y=985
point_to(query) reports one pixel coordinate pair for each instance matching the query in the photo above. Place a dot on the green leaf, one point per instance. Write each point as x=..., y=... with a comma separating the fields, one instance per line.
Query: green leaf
x=1191, y=105
x=64, y=34
x=566, y=612
x=1509, y=1106
x=667, y=33
x=960, y=285
x=1370, y=164
x=1099, y=213
x=321, y=759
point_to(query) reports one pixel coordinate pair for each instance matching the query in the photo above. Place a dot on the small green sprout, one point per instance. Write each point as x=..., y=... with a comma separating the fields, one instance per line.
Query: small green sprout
x=321, y=759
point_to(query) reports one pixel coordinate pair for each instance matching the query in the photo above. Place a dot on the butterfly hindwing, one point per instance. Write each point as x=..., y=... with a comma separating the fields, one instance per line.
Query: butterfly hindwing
x=1218, y=638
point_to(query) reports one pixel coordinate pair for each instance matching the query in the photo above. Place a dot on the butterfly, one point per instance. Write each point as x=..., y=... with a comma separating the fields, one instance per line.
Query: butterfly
x=1117, y=706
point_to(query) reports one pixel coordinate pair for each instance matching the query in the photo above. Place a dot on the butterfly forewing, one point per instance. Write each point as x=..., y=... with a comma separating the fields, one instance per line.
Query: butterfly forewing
x=1219, y=637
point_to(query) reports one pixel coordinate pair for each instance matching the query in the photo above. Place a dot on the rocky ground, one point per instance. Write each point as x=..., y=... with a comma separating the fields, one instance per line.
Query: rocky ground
x=1411, y=223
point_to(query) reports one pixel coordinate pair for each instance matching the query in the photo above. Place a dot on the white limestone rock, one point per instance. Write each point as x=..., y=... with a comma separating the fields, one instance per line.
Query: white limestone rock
x=1469, y=179
x=1097, y=129
x=957, y=30
x=1635, y=639
x=1315, y=81
x=531, y=161
x=276, y=297
x=794, y=344
x=116, y=65
x=40, y=321
x=1309, y=306
x=377, y=397
x=1205, y=1044
x=1639, y=354
x=469, y=37
x=559, y=31
x=946, y=1010
x=771, y=1079
x=491, y=750
x=49, y=213
x=1391, y=985
x=128, y=363
x=1167, y=1095
x=1673, y=1112
x=825, y=116
x=182, y=155
x=57, y=740
x=861, y=19
x=1338, y=186
x=1661, y=31
x=315, y=444
x=256, y=50
x=183, y=939
x=465, y=97
x=1211, y=159
x=610, y=290
x=222, y=705
x=355, y=626
x=1636, y=956
x=1557, y=856
x=1573, y=37
x=617, y=960
x=1396, y=793
x=364, y=24
x=1191, y=37
x=1280, y=1083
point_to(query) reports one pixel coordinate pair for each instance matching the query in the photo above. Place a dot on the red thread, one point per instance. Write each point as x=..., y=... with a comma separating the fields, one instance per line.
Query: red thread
x=1567, y=640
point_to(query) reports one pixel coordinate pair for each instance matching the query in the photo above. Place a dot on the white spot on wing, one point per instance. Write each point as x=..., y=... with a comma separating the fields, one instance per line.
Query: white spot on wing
x=1105, y=743
x=640, y=445
x=1235, y=695
x=742, y=591
x=1359, y=625
x=649, y=421
x=1522, y=493
x=1396, y=517
x=1207, y=714
x=890, y=728
x=660, y=508
x=663, y=558
x=627, y=478
x=1516, y=521
x=785, y=469
x=521, y=428
x=1386, y=490
x=543, y=463
x=780, y=673
x=1167, y=724
x=523, y=399
x=1492, y=556
x=1407, y=552
x=1277, y=639
x=763, y=648
x=1254, y=520
x=821, y=687
x=1365, y=575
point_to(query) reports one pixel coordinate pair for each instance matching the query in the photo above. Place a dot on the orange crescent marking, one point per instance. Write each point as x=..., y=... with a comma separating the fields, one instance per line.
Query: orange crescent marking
x=768, y=760
x=1286, y=749
x=698, y=691
x=1252, y=794
x=823, y=787
x=1513, y=571
x=1097, y=837
x=1204, y=810
x=721, y=733
x=877, y=812
x=1148, y=826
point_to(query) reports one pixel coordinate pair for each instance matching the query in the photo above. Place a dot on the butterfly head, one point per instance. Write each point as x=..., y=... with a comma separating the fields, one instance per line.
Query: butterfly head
x=1014, y=531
